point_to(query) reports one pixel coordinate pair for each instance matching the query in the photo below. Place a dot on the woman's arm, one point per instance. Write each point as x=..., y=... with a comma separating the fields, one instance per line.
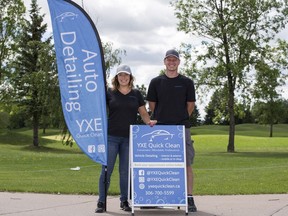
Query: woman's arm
x=145, y=116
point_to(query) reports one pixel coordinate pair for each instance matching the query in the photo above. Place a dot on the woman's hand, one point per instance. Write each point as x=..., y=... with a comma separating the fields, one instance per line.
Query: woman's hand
x=151, y=123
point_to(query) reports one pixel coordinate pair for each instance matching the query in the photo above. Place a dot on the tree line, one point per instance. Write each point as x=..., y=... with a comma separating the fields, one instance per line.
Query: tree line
x=267, y=112
x=241, y=61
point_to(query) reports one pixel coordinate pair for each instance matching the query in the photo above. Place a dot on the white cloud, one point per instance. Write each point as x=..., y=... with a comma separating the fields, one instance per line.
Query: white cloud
x=145, y=29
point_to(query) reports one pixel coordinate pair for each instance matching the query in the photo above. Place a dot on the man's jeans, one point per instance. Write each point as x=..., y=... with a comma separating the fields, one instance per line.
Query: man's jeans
x=116, y=145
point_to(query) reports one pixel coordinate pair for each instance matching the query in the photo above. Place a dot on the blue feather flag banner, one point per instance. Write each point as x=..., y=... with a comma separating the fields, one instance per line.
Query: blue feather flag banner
x=82, y=79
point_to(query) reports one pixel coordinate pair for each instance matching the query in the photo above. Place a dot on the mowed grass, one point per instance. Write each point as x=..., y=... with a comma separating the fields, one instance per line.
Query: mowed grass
x=258, y=166
x=45, y=169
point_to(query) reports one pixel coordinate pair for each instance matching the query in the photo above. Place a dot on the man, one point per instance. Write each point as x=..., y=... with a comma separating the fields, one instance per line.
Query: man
x=171, y=98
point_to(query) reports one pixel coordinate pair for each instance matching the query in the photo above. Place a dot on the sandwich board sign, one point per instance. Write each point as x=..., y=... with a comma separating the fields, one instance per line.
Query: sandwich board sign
x=158, y=166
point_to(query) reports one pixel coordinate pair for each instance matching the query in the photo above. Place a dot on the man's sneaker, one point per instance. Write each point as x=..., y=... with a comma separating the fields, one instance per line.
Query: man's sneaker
x=100, y=207
x=125, y=206
x=191, y=205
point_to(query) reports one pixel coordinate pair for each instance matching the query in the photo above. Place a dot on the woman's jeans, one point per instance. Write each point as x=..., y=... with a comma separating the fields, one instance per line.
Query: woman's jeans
x=116, y=145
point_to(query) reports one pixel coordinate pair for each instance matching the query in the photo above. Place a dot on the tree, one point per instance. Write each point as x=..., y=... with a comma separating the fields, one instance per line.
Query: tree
x=238, y=33
x=111, y=56
x=194, y=119
x=32, y=67
x=143, y=91
x=268, y=110
x=11, y=21
x=49, y=92
x=284, y=119
x=4, y=119
x=243, y=113
x=216, y=110
x=11, y=24
x=268, y=113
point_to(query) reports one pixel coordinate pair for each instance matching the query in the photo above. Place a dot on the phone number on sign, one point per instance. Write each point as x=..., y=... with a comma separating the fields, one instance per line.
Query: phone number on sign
x=159, y=193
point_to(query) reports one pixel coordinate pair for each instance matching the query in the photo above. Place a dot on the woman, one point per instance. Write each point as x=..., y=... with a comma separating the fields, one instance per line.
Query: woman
x=124, y=102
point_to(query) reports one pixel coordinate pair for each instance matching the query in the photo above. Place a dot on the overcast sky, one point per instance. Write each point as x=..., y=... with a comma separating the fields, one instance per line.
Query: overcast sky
x=144, y=28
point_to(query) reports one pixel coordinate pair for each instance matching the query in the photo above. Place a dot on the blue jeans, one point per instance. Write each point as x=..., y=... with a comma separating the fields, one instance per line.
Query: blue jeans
x=116, y=145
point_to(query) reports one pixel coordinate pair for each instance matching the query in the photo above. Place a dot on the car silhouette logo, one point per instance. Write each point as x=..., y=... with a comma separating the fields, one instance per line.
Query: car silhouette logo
x=159, y=133
x=66, y=15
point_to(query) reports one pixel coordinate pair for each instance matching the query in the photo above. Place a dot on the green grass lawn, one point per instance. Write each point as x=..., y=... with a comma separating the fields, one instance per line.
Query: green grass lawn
x=259, y=165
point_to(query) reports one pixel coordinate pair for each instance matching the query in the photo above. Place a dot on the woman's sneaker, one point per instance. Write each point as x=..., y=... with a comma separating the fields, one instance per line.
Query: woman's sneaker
x=125, y=206
x=191, y=205
x=100, y=207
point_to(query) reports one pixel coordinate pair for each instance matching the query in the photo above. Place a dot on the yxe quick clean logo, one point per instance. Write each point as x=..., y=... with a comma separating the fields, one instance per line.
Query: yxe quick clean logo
x=69, y=15
x=165, y=135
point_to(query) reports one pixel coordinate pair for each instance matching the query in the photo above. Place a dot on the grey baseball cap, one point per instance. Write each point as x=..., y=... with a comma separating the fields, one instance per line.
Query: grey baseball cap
x=123, y=69
x=173, y=53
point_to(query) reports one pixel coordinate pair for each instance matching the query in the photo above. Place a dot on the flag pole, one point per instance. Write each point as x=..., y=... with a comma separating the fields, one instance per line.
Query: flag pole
x=106, y=187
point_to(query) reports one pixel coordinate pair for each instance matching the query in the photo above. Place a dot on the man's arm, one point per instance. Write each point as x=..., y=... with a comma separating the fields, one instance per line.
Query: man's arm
x=190, y=107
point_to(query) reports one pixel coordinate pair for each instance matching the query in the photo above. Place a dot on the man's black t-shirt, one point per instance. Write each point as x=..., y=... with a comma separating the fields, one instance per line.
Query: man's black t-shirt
x=171, y=96
x=122, y=111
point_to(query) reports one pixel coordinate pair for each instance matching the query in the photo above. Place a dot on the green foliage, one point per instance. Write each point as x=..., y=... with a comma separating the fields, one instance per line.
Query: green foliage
x=11, y=21
x=30, y=91
x=35, y=80
x=195, y=119
x=284, y=119
x=267, y=81
x=217, y=110
x=18, y=119
x=270, y=112
x=143, y=91
x=111, y=56
x=237, y=35
x=268, y=107
x=4, y=120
